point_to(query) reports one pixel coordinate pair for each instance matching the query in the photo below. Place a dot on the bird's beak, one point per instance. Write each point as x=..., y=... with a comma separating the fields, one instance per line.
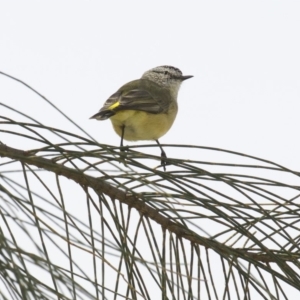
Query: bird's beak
x=185, y=77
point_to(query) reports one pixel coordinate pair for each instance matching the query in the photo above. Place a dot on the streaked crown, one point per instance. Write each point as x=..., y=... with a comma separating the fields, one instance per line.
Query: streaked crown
x=166, y=76
x=163, y=73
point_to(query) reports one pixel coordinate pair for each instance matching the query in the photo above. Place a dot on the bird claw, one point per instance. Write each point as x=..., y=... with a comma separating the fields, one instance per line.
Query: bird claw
x=164, y=162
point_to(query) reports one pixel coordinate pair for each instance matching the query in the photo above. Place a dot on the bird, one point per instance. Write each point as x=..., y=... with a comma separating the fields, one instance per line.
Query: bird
x=145, y=109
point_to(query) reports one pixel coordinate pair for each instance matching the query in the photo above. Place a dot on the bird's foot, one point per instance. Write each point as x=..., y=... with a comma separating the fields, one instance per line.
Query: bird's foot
x=123, y=155
x=164, y=160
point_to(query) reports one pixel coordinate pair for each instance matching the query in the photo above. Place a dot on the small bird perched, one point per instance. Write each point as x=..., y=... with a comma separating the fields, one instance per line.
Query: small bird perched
x=145, y=109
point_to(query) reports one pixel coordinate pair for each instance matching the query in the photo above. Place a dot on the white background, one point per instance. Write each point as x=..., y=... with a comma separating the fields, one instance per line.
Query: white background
x=244, y=56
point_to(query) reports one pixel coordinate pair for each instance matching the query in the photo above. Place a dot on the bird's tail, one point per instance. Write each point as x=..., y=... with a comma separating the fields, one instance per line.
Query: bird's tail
x=103, y=115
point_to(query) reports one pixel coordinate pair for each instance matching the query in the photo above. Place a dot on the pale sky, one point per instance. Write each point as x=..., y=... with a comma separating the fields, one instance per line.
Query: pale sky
x=244, y=56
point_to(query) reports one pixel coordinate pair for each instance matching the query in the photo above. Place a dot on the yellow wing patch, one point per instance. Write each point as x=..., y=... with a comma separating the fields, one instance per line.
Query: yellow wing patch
x=114, y=105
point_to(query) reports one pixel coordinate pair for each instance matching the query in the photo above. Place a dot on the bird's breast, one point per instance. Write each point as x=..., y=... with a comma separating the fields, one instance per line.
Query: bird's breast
x=140, y=125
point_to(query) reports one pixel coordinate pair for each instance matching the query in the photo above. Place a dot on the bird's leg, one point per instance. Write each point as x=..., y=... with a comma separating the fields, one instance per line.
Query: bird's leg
x=122, y=138
x=122, y=148
x=163, y=155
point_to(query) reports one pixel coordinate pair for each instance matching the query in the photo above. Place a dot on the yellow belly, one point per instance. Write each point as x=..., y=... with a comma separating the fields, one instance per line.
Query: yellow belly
x=140, y=125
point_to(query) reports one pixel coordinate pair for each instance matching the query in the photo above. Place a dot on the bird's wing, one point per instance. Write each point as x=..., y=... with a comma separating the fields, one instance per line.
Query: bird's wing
x=137, y=96
x=139, y=99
